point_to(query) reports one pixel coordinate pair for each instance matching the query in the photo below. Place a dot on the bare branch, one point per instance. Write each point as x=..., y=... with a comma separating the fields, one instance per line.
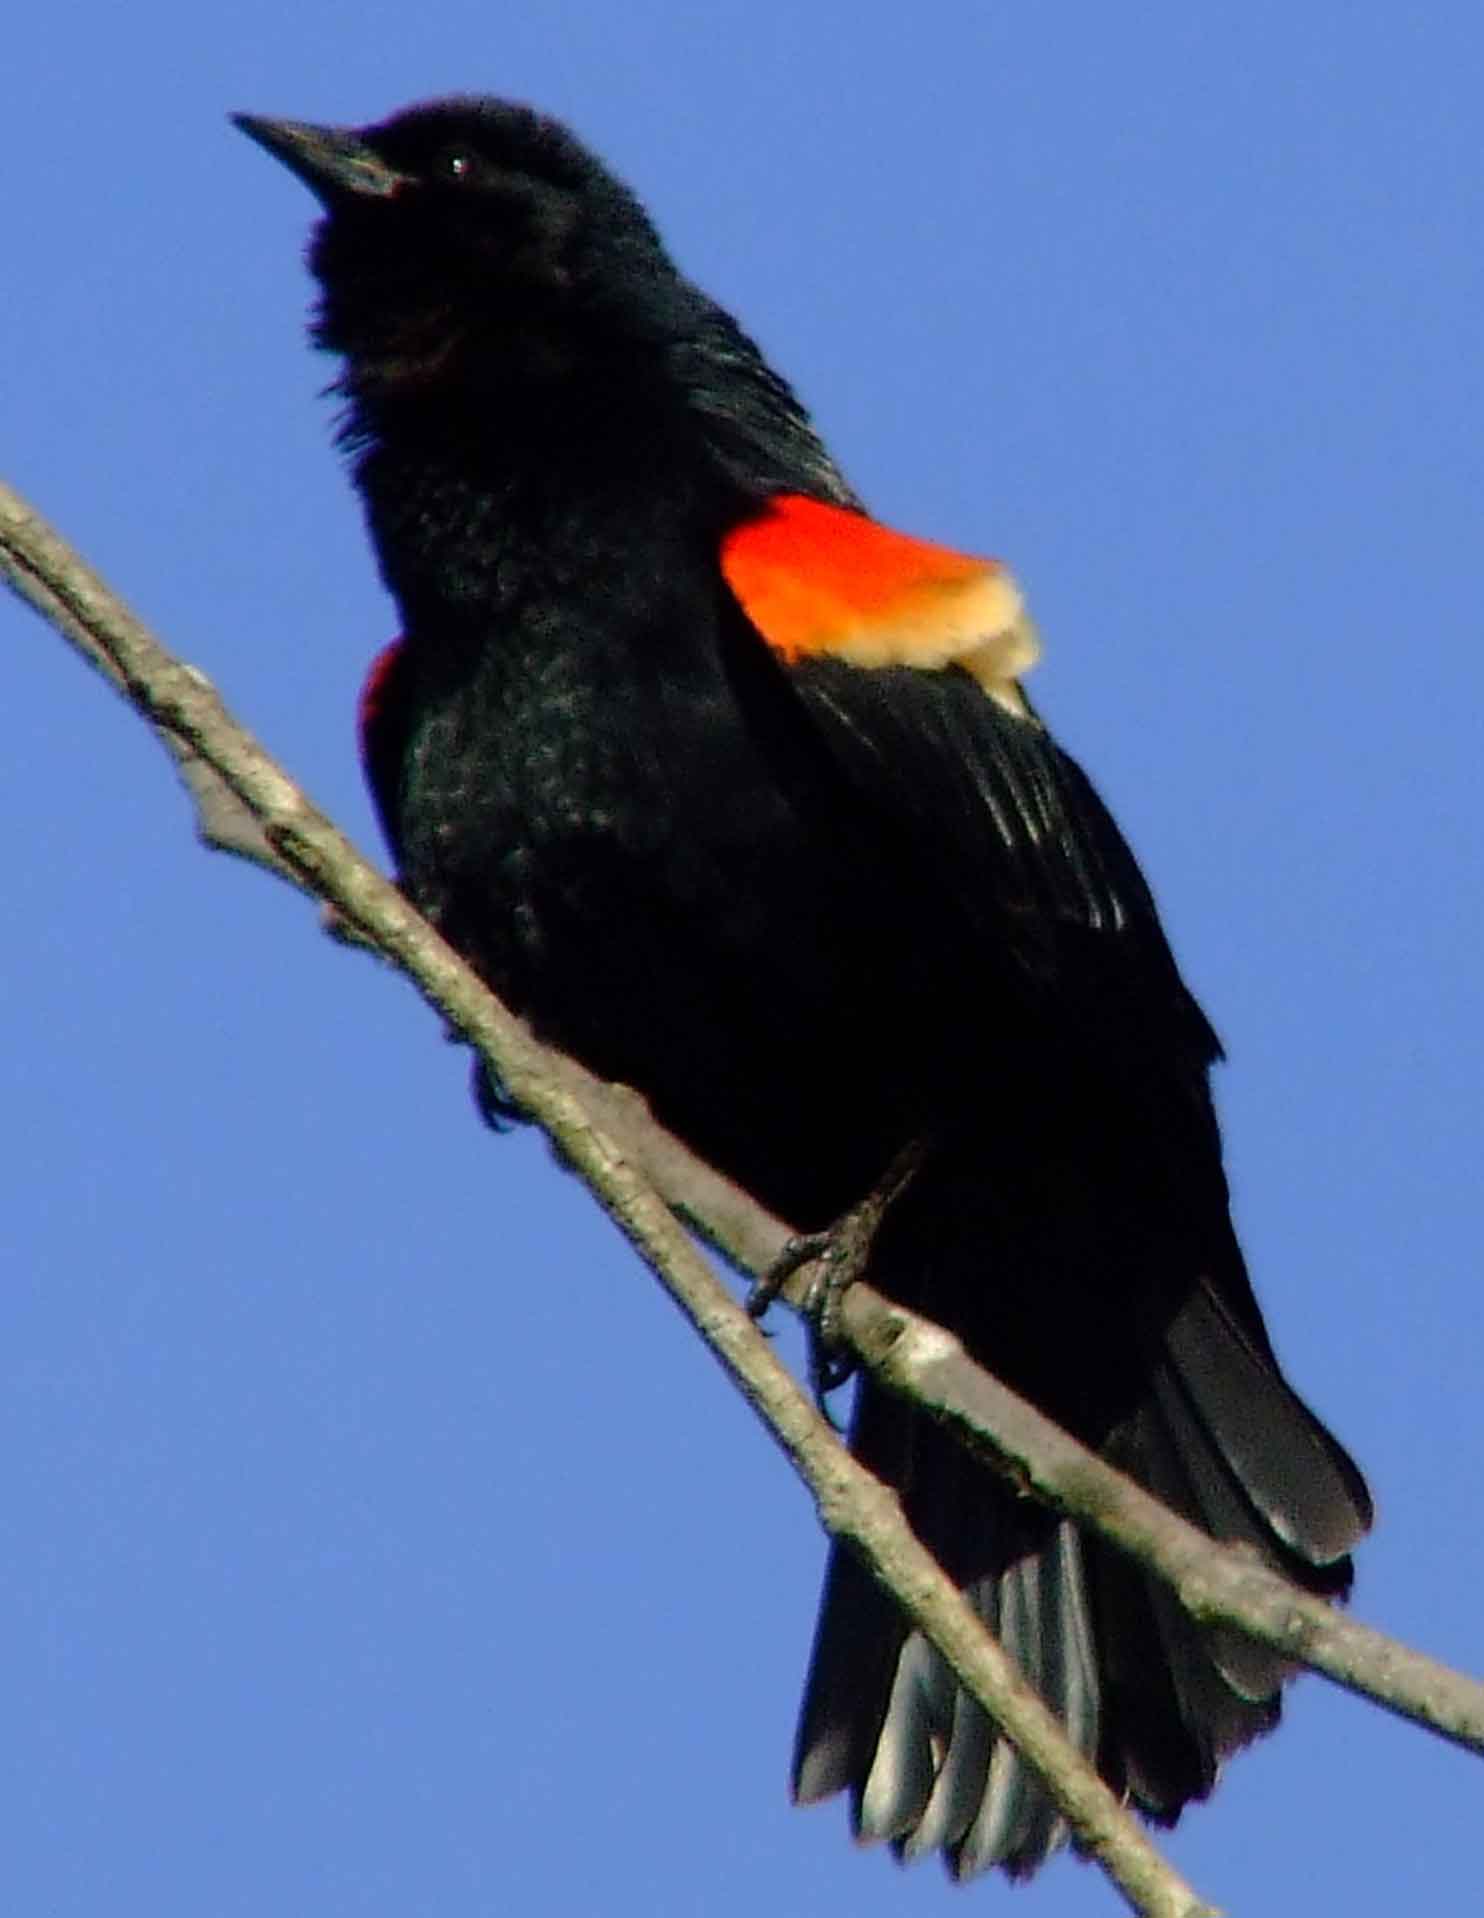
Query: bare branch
x=39, y=566
x=1217, y=1584
x=643, y=1176
x=188, y=714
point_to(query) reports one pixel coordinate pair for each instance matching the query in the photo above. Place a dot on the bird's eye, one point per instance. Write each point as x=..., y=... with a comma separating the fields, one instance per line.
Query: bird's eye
x=456, y=166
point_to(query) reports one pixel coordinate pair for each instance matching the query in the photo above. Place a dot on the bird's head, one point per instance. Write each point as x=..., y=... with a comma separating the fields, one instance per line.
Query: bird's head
x=475, y=257
x=473, y=244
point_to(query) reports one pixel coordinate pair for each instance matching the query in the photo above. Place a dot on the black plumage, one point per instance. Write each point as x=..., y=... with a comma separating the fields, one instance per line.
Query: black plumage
x=814, y=910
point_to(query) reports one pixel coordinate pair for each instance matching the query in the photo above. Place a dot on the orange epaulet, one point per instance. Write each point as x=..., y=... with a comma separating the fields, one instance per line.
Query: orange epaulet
x=818, y=579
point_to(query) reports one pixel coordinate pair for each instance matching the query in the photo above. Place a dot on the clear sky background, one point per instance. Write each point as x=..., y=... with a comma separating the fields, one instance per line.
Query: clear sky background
x=377, y=1540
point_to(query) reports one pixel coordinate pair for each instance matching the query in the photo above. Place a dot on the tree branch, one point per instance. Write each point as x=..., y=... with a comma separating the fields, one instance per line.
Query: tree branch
x=1216, y=1584
x=643, y=1177
x=187, y=713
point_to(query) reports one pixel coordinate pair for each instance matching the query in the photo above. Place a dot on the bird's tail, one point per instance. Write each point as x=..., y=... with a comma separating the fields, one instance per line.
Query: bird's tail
x=1155, y=1701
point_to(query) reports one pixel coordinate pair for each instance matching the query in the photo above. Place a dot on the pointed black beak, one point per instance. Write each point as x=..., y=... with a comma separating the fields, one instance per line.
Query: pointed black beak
x=332, y=162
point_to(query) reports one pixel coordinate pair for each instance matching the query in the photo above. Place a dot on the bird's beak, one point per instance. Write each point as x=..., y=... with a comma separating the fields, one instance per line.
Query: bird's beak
x=331, y=162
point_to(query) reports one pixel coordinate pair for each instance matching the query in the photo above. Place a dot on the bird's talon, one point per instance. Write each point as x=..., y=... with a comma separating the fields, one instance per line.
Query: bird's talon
x=801, y=1250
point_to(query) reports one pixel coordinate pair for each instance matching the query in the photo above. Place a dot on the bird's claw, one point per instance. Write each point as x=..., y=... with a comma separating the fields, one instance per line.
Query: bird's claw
x=801, y=1250
x=839, y=1255
x=838, y=1262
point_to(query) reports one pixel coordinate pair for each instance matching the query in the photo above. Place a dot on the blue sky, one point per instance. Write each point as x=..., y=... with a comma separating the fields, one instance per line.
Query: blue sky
x=377, y=1540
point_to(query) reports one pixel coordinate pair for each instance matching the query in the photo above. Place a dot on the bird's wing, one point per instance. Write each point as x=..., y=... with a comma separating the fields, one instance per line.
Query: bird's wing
x=907, y=656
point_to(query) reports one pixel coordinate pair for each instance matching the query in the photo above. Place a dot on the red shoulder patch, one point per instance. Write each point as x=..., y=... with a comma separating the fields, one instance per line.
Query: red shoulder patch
x=381, y=726
x=817, y=579
x=377, y=699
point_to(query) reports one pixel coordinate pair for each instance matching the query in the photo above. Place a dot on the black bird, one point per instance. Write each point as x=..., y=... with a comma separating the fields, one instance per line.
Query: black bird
x=735, y=794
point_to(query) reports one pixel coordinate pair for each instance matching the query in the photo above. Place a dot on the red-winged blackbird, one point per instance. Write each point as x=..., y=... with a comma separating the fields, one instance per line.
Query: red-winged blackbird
x=734, y=793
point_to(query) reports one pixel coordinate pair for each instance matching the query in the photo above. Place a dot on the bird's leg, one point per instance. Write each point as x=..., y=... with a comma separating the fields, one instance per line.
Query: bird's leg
x=840, y=1255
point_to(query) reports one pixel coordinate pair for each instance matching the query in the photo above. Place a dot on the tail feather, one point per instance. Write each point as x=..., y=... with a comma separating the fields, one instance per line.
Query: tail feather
x=1211, y=1716
x=960, y=1788
x=1156, y=1700
x=1148, y=1752
x=900, y=1782
x=1014, y=1820
x=1303, y=1484
x=851, y=1680
x=1045, y=1625
x=940, y=1777
x=1198, y=1482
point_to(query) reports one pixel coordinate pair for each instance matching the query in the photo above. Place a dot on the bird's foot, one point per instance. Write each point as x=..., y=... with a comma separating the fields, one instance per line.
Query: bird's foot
x=839, y=1256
